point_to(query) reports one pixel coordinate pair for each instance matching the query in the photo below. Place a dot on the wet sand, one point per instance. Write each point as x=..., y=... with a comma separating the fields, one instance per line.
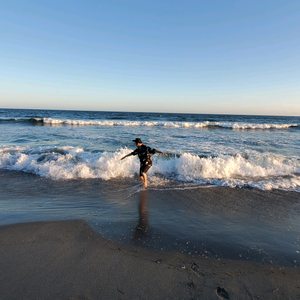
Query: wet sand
x=68, y=260
x=219, y=222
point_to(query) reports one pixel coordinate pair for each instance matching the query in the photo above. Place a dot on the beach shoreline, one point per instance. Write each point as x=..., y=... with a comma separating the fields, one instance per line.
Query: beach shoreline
x=219, y=222
x=69, y=260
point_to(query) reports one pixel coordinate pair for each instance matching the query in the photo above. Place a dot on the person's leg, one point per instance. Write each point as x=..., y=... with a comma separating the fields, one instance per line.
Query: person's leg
x=144, y=179
x=142, y=167
x=143, y=175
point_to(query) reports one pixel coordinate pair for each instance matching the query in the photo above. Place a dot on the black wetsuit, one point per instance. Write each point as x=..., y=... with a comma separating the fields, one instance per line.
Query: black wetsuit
x=143, y=153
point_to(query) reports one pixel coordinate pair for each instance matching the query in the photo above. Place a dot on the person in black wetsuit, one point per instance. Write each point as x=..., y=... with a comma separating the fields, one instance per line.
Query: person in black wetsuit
x=143, y=153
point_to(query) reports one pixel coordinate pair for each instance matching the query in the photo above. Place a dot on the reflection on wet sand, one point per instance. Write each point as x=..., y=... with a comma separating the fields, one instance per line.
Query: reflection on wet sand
x=141, y=228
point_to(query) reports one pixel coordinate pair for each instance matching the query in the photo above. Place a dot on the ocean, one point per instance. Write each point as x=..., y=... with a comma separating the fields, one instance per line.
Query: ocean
x=57, y=165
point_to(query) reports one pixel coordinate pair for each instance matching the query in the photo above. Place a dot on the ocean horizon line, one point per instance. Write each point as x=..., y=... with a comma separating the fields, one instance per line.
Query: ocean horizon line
x=151, y=112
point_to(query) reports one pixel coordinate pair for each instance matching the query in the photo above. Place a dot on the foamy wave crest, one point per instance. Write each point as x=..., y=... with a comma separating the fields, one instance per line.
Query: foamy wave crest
x=170, y=124
x=67, y=163
x=192, y=167
x=167, y=124
x=126, y=123
x=91, y=122
x=256, y=170
x=261, y=171
x=261, y=126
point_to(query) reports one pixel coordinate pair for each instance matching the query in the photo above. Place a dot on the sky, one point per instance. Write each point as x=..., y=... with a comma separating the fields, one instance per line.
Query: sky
x=225, y=57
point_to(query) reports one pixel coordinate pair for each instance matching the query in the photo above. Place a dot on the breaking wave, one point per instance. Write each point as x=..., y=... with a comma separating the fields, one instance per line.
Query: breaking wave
x=264, y=171
x=205, y=124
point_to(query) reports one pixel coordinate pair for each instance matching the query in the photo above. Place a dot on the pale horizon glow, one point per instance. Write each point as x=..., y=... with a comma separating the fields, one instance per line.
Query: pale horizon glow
x=169, y=57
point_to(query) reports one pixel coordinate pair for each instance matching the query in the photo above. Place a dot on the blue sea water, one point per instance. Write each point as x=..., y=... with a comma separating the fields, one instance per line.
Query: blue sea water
x=57, y=165
x=227, y=150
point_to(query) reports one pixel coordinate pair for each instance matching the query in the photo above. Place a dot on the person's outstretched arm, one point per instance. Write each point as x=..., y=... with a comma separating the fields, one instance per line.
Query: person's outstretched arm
x=157, y=151
x=127, y=155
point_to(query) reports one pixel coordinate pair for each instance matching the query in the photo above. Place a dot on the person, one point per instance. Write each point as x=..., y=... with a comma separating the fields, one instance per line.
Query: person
x=143, y=153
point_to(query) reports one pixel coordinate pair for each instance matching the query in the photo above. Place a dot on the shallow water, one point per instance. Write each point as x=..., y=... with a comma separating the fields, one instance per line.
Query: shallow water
x=202, y=220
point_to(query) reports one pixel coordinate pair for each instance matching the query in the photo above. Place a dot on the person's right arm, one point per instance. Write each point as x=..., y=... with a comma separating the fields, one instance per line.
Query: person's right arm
x=127, y=155
x=157, y=151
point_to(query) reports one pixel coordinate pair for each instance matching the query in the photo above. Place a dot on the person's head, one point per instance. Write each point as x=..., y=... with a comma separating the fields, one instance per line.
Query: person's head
x=138, y=142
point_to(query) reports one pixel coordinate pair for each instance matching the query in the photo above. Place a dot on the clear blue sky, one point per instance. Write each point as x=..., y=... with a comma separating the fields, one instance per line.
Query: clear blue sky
x=239, y=57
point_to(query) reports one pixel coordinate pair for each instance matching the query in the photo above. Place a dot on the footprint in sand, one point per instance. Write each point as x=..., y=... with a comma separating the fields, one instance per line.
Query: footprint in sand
x=221, y=293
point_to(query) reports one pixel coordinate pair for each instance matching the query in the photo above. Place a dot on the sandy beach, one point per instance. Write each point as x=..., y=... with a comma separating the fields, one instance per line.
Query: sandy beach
x=218, y=222
x=68, y=260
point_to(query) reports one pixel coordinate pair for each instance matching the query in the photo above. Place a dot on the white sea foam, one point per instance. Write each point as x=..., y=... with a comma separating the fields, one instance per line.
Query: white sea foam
x=167, y=124
x=263, y=171
x=67, y=163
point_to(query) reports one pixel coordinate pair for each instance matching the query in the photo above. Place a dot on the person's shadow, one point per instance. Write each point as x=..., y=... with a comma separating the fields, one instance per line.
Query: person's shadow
x=142, y=226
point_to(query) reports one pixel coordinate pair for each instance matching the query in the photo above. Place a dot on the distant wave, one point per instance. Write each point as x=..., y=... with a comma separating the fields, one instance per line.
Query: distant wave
x=22, y=120
x=205, y=124
x=264, y=171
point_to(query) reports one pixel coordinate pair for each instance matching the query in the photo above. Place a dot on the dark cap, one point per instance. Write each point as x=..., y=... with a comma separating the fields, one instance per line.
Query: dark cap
x=137, y=141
